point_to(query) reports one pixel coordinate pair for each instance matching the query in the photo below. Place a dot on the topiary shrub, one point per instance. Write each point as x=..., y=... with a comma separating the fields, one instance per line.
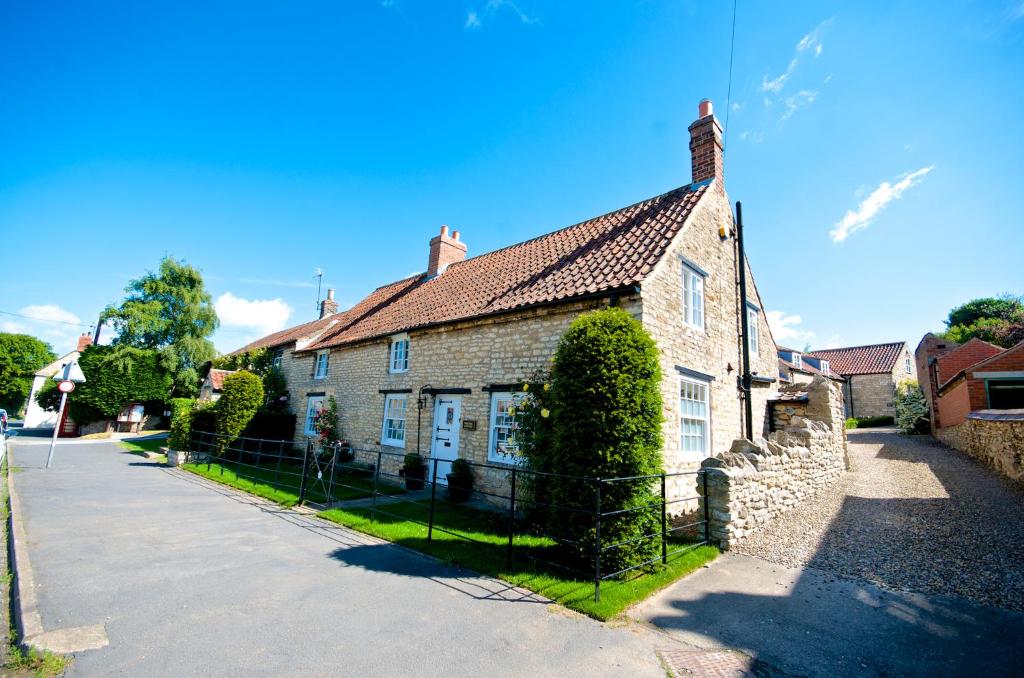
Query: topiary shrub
x=181, y=423
x=241, y=398
x=603, y=421
x=911, y=408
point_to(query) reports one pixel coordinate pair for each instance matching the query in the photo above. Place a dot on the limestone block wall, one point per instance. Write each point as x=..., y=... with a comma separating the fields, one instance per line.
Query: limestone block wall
x=783, y=413
x=872, y=395
x=757, y=482
x=994, y=437
x=716, y=349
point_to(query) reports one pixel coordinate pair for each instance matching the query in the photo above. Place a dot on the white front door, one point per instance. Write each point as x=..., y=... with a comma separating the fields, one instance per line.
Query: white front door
x=445, y=445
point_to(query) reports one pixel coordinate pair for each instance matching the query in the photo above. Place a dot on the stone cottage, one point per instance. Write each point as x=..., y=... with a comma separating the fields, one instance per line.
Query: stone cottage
x=433, y=362
x=872, y=374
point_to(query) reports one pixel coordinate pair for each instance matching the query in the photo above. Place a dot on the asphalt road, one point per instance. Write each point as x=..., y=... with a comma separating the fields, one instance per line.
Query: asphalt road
x=188, y=578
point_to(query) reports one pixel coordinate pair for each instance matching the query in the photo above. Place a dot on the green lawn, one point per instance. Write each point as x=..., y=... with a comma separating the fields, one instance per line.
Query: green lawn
x=141, y=447
x=283, y=488
x=487, y=554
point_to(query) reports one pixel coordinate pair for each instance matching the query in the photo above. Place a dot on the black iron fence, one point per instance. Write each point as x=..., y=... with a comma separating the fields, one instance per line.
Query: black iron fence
x=375, y=480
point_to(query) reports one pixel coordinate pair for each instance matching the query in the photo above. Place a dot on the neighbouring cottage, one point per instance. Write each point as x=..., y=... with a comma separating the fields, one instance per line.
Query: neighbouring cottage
x=37, y=417
x=213, y=385
x=872, y=373
x=433, y=362
x=975, y=394
x=798, y=368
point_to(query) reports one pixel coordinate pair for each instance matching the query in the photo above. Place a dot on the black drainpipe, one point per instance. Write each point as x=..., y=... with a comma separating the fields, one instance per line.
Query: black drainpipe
x=745, y=378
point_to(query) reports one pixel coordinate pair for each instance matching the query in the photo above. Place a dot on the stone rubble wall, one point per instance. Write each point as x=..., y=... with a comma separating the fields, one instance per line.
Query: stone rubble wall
x=998, y=443
x=756, y=482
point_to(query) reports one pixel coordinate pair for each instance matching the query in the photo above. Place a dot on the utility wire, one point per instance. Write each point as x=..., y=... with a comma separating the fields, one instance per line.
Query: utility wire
x=728, y=96
x=46, y=320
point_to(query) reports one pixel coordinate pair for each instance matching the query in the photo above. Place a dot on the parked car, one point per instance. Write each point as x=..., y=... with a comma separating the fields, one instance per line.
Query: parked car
x=3, y=421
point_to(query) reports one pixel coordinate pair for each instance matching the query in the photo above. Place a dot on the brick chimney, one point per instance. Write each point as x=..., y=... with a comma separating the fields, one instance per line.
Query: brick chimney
x=706, y=145
x=85, y=339
x=328, y=306
x=445, y=250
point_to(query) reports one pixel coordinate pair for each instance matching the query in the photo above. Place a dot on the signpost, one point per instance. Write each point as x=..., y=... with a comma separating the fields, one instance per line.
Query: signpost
x=67, y=377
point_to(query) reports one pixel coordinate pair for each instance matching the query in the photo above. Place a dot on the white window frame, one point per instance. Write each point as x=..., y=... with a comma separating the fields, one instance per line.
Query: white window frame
x=386, y=432
x=278, y=359
x=704, y=420
x=493, y=454
x=796, y=359
x=311, y=412
x=753, y=328
x=824, y=367
x=907, y=365
x=398, y=354
x=693, y=297
x=322, y=366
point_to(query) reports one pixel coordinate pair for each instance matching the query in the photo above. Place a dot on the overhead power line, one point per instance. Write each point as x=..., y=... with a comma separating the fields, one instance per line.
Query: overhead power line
x=728, y=95
x=46, y=320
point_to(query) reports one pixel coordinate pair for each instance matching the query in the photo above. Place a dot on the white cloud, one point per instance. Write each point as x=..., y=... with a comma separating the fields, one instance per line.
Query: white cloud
x=804, y=97
x=753, y=137
x=474, y=19
x=737, y=106
x=264, y=315
x=786, y=329
x=57, y=326
x=776, y=84
x=855, y=220
x=813, y=39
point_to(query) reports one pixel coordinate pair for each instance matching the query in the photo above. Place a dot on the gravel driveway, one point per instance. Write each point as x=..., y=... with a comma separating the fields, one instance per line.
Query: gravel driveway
x=911, y=515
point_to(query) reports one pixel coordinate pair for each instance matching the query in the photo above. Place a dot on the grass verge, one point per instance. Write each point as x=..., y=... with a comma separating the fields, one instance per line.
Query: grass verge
x=146, y=448
x=487, y=554
x=283, y=487
x=19, y=659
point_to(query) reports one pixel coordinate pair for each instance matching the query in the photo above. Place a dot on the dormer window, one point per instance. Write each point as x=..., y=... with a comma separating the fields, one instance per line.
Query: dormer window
x=824, y=366
x=797, y=360
x=398, y=361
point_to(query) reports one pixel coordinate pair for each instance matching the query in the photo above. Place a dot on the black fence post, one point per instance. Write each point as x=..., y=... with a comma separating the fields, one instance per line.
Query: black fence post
x=707, y=521
x=664, y=524
x=277, y=473
x=305, y=472
x=597, y=542
x=511, y=520
x=259, y=452
x=433, y=495
x=376, y=478
x=330, y=483
x=208, y=455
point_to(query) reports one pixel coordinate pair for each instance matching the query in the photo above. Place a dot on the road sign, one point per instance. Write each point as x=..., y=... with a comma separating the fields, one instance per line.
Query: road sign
x=66, y=386
x=70, y=372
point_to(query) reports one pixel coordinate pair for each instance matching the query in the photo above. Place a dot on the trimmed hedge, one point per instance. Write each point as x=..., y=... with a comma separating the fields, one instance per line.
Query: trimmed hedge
x=869, y=422
x=605, y=422
x=181, y=422
x=242, y=397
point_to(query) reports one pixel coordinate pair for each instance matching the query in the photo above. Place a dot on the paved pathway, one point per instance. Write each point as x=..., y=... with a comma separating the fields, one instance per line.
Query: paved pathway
x=188, y=578
x=838, y=586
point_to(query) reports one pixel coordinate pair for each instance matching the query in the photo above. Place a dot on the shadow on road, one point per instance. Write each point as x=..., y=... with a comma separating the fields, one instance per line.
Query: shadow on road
x=823, y=623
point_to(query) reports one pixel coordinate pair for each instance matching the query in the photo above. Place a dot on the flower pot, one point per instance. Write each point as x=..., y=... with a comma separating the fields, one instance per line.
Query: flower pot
x=460, y=488
x=414, y=478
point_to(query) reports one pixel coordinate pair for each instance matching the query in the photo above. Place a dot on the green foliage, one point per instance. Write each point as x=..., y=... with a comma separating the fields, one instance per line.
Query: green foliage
x=911, y=408
x=242, y=397
x=114, y=377
x=462, y=470
x=169, y=311
x=48, y=397
x=604, y=421
x=259, y=361
x=326, y=423
x=413, y=462
x=20, y=356
x=869, y=422
x=997, y=320
x=275, y=391
x=181, y=423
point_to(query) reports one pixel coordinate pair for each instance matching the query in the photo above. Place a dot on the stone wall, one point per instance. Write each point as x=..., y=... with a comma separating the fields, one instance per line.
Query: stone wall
x=873, y=395
x=994, y=437
x=756, y=482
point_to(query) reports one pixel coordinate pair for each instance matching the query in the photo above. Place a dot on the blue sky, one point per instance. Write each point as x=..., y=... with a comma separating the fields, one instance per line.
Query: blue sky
x=876, y=149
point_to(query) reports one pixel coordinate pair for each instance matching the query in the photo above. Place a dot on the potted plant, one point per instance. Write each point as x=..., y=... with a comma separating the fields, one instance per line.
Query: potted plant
x=460, y=481
x=414, y=471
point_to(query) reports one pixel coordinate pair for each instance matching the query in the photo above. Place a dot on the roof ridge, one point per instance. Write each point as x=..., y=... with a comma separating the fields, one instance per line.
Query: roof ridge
x=850, y=348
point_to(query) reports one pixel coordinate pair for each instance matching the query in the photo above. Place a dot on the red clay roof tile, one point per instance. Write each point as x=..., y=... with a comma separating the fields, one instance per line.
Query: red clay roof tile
x=873, y=359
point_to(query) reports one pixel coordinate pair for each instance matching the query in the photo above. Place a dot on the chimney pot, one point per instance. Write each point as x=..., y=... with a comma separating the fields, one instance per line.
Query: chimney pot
x=330, y=293
x=704, y=109
x=84, y=341
x=445, y=250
